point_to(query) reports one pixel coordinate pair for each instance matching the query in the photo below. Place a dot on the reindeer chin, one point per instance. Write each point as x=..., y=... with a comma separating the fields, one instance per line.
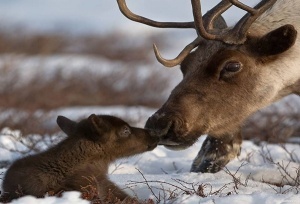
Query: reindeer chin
x=176, y=145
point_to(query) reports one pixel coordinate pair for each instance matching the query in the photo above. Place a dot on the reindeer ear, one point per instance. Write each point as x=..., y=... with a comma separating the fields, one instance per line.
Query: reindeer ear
x=220, y=23
x=276, y=41
x=66, y=125
x=100, y=126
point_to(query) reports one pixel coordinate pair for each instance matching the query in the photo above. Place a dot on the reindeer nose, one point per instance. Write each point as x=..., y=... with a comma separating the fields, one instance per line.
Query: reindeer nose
x=161, y=132
x=158, y=122
x=153, y=120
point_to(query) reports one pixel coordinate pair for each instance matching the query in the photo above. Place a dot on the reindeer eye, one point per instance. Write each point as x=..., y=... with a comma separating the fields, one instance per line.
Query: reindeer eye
x=125, y=131
x=230, y=70
x=232, y=66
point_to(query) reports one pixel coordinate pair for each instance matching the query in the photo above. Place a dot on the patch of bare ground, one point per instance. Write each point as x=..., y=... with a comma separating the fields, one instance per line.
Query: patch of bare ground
x=113, y=46
x=86, y=89
x=273, y=125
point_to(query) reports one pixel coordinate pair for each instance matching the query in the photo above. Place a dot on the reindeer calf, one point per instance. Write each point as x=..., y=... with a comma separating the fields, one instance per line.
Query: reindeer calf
x=80, y=161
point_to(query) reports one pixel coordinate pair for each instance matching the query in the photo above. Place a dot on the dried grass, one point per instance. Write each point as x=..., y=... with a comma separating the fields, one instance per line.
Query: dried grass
x=113, y=46
x=273, y=125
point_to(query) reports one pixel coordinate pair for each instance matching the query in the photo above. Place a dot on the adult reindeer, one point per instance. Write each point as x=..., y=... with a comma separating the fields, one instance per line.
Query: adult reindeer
x=233, y=72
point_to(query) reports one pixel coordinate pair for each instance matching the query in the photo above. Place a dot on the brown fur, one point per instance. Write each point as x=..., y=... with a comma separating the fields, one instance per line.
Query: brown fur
x=215, y=100
x=79, y=162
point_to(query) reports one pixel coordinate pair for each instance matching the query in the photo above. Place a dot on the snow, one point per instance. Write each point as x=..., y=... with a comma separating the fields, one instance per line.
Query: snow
x=264, y=173
x=67, y=197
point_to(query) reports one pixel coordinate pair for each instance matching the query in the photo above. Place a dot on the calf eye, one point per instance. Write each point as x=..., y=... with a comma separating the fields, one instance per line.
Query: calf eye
x=125, y=131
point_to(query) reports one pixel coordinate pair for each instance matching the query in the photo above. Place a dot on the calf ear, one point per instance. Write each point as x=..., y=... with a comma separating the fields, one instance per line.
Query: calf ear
x=276, y=41
x=100, y=126
x=66, y=125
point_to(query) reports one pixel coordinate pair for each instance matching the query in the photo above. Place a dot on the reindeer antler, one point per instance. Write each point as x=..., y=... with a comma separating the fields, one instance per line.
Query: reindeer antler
x=238, y=33
x=204, y=25
x=140, y=19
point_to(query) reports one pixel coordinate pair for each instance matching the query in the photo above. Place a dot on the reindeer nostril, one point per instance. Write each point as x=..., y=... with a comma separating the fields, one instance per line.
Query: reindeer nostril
x=164, y=131
x=159, y=124
x=160, y=132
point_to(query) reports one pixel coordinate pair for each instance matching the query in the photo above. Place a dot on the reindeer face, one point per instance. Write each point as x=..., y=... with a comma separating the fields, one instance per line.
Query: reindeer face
x=233, y=72
x=221, y=86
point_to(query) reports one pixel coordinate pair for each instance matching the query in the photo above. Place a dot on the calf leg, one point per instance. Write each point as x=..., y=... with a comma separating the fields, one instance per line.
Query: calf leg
x=94, y=183
x=216, y=152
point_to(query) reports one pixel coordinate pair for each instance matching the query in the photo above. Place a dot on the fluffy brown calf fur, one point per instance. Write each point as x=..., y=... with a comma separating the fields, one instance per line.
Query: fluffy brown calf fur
x=80, y=161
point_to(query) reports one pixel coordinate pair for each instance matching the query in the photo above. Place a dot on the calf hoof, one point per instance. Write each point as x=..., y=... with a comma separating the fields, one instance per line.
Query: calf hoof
x=214, y=155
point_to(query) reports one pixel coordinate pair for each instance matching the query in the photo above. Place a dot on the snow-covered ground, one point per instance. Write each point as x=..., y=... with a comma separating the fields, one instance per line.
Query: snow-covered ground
x=261, y=174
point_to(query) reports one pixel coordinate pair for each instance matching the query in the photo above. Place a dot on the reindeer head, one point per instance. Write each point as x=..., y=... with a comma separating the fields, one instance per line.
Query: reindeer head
x=230, y=75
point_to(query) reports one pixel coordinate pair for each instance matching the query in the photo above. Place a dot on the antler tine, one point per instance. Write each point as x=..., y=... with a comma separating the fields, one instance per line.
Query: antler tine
x=126, y=12
x=240, y=29
x=211, y=15
x=168, y=63
x=243, y=6
x=199, y=21
x=203, y=27
x=180, y=57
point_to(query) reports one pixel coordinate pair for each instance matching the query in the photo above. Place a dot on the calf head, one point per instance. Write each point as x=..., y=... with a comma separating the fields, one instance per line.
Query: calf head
x=115, y=136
